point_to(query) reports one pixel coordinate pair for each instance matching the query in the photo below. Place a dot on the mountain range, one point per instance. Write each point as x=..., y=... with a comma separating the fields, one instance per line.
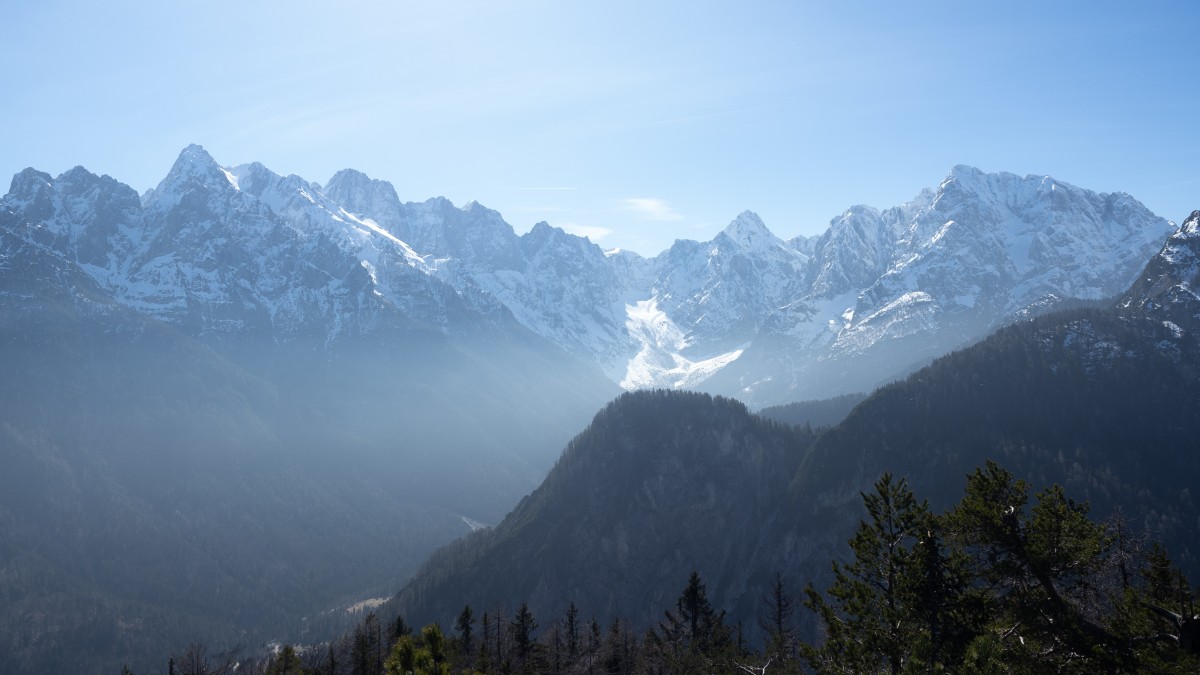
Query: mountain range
x=769, y=321
x=224, y=252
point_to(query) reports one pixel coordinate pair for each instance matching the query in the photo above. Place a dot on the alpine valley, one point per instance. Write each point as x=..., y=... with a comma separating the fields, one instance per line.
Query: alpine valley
x=236, y=404
x=1100, y=400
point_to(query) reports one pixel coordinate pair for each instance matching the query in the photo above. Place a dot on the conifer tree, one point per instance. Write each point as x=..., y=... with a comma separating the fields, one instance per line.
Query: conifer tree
x=522, y=629
x=776, y=621
x=398, y=628
x=1041, y=565
x=693, y=635
x=866, y=619
x=464, y=624
x=287, y=662
x=571, y=628
x=484, y=656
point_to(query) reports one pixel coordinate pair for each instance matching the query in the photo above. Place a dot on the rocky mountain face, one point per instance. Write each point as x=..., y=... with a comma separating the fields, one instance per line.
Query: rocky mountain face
x=891, y=290
x=238, y=253
x=771, y=321
x=1168, y=287
x=662, y=483
x=560, y=286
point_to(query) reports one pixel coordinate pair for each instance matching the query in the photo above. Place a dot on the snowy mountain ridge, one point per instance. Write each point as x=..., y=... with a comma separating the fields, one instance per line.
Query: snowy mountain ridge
x=228, y=252
x=224, y=250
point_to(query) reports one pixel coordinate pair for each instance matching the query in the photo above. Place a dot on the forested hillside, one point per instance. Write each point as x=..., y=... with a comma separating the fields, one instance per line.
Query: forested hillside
x=1007, y=580
x=659, y=482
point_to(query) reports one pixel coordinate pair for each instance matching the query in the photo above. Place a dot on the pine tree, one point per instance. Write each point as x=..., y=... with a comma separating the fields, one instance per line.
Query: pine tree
x=693, y=635
x=484, y=657
x=593, y=645
x=398, y=629
x=866, y=620
x=286, y=663
x=434, y=643
x=464, y=625
x=331, y=663
x=945, y=610
x=1041, y=565
x=403, y=658
x=522, y=629
x=776, y=621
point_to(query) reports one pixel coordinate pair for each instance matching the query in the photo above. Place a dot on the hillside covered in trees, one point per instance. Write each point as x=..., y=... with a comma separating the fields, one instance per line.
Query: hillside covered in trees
x=1002, y=582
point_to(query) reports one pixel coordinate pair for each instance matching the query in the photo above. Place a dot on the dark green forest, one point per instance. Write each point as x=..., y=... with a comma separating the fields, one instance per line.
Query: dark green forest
x=821, y=413
x=1002, y=582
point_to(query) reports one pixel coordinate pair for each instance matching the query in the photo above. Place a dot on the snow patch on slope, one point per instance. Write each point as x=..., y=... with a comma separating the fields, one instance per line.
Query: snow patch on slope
x=659, y=361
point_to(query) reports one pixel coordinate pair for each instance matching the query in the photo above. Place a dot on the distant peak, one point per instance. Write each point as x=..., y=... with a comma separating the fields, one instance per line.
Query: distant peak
x=195, y=153
x=252, y=167
x=78, y=180
x=28, y=181
x=474, y=208
x=541, y=232
x=961, y=175
x=1191, y=226
x=78, y=173
x=195, y=164
x=859, y=210
x=749, y=230
x=252, y=178
x=350, y=177
x=359, y=193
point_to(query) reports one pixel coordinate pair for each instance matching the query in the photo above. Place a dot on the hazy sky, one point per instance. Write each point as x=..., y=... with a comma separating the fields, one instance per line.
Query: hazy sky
x=634, y=123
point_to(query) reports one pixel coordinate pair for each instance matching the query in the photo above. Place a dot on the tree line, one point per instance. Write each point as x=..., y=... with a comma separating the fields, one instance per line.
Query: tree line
x=999, y=583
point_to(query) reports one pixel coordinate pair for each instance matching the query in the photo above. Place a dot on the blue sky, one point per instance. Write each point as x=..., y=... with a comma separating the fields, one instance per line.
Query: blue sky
x=634, y=123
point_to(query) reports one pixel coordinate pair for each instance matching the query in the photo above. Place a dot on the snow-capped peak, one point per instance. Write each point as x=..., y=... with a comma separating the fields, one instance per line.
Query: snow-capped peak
x=360, y=189
x=749, y=231
x=252, y=178
x=28, y=185
x=1191, y=226
x=194, y=167
x=964, y=171
x=362, y=195
x=967, y=181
